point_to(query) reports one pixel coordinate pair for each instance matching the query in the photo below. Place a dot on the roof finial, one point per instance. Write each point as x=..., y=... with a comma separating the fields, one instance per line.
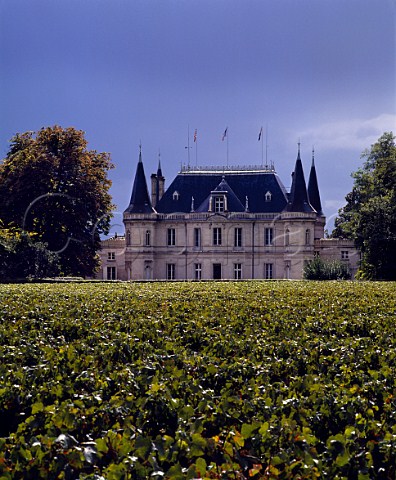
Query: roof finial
x=313, y=155
x=299, y=144
x=140, y=151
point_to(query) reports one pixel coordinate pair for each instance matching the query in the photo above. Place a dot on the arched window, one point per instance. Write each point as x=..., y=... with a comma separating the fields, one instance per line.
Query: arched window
x=287, y=237
x=128, y=237
x=307, y=236
x=176, y=195
x=268, y=196
x=148, y=239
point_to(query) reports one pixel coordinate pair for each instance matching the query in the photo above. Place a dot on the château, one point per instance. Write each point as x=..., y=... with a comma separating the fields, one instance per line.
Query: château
x=229, y=222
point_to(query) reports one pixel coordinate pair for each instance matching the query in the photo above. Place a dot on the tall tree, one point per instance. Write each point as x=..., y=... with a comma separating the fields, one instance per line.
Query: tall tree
x=53, y=186
x=369, y=216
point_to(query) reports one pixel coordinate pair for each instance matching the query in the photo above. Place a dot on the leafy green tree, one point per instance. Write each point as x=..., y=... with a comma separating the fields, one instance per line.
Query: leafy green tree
x=369, y=216
x=53, y=186
x=21, y=257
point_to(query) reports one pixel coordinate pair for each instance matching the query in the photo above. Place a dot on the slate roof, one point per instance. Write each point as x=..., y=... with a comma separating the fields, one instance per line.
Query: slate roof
x=313, y=190
x=298, y=198
x=251, y=184
x=140, y=198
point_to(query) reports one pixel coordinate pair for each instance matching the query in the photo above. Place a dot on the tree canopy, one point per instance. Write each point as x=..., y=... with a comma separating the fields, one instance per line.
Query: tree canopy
x=369, y=216
x=53, y=187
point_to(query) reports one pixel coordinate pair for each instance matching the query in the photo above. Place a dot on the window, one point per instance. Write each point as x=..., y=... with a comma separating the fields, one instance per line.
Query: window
x=219, y=204
x=198, y=271
x=170, y=271
x=111, y=273
x=287, y=237
x=128, y=237
x=148, y=238
x=171, y=240
x=269, y=235
x=268, y=271
x=287, y=270
x=217, y=236
x=238, y=237
x=197, y=237
x=307, y=236
x=344, y=255
x=268, y=196
x=176, y=195
x=237, y=271
x=111, y=256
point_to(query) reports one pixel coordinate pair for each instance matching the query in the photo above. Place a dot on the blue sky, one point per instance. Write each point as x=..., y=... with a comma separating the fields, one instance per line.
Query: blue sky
x=126, y=71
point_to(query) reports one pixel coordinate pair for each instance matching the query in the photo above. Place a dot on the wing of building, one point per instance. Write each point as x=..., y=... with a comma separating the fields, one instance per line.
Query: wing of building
x=221, y=223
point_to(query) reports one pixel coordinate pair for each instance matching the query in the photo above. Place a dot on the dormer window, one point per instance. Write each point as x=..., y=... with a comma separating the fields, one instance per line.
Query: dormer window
x=219, y=204
x=268, y=196
x=176, y=195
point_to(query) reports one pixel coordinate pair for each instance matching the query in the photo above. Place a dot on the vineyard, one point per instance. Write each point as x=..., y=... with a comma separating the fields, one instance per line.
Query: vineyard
x=248, y=380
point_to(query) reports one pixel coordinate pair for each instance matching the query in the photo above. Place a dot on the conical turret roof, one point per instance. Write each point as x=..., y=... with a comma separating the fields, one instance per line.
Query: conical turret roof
x=140, y=199
x=313, y=189
x=298, y=198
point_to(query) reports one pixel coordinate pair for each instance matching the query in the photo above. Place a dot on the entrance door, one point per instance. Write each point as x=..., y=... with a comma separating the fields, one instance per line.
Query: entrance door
x=148, y=272
x=217, y=271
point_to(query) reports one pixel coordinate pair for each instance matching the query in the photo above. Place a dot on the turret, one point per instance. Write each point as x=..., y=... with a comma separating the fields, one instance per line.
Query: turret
x=298, y=197
x=140, y=199
x=313, y=189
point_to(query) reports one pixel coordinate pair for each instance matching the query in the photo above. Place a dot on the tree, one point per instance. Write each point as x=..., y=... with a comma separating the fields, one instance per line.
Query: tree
x=51, y=185
x=369, y=216
x=21, y=257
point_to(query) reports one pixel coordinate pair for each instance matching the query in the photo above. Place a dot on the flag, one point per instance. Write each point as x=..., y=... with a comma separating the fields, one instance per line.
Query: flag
x=224, y=134
x=261, y=132
x=195, y=135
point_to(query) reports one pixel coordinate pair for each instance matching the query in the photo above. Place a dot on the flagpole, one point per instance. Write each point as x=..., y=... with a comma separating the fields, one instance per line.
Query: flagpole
x=266, y=146
x=227, y=146
x=188, y=145
x=225, y=135
x=196, y=146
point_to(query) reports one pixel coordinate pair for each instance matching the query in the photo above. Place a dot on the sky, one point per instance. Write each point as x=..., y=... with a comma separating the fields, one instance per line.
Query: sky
x=151, y=72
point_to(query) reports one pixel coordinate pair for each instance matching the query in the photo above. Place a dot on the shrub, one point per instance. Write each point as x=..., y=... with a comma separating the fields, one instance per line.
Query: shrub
x=318, y=269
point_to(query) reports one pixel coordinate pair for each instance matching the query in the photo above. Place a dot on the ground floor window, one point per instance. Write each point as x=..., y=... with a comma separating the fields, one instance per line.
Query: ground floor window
x=237, y=271
x=287, y=270
x=269, y=271
x=217, y=271
x=111, y=273
x=198, y=271
x=170, y=271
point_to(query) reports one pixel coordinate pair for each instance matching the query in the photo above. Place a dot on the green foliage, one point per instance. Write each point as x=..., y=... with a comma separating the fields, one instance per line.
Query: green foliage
x=369, y=217
x=21, y=257
x=198, y=380
x=53, y=186
x=318, y=269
